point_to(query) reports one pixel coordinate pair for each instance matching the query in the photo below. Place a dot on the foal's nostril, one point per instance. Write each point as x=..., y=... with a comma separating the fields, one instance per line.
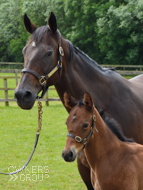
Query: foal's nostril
x=68, y=156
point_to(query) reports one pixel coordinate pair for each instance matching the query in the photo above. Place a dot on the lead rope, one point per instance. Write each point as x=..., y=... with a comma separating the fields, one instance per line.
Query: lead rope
x=40, y=112
x=39, y=104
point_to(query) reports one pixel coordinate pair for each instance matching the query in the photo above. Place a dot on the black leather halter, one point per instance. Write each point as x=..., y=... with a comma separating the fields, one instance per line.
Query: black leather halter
x=43, y=79
x=81, y=140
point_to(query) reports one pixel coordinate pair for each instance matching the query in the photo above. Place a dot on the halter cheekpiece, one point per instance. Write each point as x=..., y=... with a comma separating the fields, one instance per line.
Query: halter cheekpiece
x=43, y=79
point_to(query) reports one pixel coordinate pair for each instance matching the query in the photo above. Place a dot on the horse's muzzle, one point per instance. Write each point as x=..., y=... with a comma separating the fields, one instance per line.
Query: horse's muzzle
x=25, y=98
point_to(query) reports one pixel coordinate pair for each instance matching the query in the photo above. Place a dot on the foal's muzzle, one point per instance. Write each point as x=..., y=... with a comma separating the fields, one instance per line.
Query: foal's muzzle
x=69, y=156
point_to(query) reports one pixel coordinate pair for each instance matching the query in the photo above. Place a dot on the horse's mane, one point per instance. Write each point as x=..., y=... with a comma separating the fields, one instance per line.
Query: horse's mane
x=71, y=50
x=114, y=127
x=85, y=57
x=74, y=49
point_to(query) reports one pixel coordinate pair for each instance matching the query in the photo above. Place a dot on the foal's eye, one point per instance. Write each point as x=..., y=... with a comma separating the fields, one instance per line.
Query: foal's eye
x=85, y=125
x=49, y=53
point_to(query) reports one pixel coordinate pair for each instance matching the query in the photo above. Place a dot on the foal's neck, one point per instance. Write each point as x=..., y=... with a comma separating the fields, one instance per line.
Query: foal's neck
x=101, y=144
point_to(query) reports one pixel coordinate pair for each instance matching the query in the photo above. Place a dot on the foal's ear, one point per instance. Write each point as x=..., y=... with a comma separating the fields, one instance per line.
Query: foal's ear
x=69, y=101
x=30, y=27
x=52, y=22
x=88, y=101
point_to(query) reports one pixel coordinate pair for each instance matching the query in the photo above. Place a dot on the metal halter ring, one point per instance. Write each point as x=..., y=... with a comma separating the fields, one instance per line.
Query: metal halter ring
x=61, y=51
x=78, y=139
x=94, y=117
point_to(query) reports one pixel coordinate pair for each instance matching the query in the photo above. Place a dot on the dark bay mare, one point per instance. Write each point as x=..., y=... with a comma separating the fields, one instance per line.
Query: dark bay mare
x=49, y=55
x=116, y=162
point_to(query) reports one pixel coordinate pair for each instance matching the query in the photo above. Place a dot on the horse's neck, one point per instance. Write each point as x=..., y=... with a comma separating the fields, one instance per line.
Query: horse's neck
x=81, y=75
x=101, y=144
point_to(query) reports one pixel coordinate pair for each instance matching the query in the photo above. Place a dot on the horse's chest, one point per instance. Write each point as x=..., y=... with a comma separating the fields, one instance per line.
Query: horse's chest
x=94, y=181
x=83, y=159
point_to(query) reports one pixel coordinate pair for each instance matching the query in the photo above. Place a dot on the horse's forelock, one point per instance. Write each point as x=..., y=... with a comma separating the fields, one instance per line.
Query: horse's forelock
x=39, y=33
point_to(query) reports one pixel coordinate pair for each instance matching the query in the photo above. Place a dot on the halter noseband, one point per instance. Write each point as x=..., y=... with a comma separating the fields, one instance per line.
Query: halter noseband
x=84, y=140
x=43, y=79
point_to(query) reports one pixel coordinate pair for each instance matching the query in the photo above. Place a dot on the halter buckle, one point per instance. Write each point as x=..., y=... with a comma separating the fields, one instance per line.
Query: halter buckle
x=61, y=51
x=94, y=117
x=42, y=80
x=78, y=139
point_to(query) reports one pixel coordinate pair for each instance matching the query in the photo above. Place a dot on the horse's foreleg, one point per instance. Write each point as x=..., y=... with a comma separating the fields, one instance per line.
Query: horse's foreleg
x=85, y=174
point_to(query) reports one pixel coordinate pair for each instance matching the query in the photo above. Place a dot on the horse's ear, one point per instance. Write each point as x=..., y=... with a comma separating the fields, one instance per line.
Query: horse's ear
x=30, y=27
x=69, y=101
x=88, y=101
x=52, y=22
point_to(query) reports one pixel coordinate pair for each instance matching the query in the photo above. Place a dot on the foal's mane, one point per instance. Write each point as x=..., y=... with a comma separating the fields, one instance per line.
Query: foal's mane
x=114, y=127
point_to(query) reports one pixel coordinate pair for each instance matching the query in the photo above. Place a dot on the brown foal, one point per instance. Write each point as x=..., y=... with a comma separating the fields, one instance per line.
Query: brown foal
x=114, y=164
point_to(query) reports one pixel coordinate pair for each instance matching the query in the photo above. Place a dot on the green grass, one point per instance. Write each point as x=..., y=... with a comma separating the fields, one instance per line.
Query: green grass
x=17, y=134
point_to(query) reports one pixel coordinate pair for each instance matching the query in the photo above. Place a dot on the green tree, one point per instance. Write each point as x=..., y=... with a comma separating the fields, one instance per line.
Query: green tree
x=82, y=28
x=12, y=32
x=9, y=22
x=120, y=33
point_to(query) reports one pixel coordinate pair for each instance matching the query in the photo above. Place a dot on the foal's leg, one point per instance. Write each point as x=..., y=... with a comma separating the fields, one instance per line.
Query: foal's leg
x=85, y=174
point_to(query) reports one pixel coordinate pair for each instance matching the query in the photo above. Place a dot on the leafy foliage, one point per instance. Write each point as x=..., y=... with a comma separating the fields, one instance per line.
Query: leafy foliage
x=121, y=33
x=109, y=31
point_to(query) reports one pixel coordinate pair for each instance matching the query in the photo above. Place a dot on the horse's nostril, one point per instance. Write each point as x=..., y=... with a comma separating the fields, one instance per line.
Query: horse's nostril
x=27, y=95
x=25, y=98
x=18, y=95
x=22, y=95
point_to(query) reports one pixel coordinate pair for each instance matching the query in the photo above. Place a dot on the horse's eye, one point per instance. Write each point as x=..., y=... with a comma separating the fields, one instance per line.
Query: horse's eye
x=49, y=53
x=85, y=125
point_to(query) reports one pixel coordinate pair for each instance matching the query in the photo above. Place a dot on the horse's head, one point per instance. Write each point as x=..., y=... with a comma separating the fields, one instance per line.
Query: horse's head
x=42, y=61
x=79, y=123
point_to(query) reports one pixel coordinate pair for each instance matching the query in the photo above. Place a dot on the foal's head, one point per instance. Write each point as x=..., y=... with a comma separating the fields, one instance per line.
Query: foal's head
x=80, y=123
